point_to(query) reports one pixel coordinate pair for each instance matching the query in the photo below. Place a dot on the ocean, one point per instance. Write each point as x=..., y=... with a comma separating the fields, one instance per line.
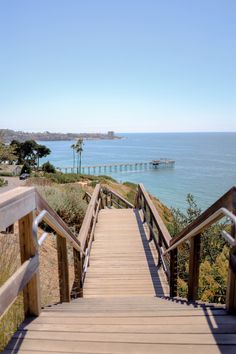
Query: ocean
x=205, y=163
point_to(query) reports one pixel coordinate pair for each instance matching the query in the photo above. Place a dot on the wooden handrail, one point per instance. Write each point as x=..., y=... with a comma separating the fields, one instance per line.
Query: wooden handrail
x=228, y=201
x=216, y=216
x=55, y=222
x=151, y=217
x=223, y=207
x=108, y=191
x=17, y=282
x=86, y=225
x=20, y=204
x=155, y=215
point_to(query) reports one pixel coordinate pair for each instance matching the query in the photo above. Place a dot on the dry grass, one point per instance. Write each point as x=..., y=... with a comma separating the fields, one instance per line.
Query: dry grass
x=9, y=262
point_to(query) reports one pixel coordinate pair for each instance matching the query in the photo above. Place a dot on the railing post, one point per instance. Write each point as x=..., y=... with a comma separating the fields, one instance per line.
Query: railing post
x=137, y=201
x=77, y=286
x=31, y=293
x=194, y=263
x=231, y=285
x=151, y=228
x=144, y=210
x=63, y=270
x=173, y=272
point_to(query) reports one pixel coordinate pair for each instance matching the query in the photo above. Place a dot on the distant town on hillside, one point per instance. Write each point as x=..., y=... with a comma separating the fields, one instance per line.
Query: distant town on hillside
x=7, y=135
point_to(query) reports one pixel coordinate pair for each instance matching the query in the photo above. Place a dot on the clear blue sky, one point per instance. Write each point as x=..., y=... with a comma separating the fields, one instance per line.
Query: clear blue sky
x=127, y=65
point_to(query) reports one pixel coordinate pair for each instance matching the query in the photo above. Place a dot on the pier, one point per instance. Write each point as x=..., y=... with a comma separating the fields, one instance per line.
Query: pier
x=119, y=167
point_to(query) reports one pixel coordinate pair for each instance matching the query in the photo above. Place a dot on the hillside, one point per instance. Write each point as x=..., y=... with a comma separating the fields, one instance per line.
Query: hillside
x=8, y=135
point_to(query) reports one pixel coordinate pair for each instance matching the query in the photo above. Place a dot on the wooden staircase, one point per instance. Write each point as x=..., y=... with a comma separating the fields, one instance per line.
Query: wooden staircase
x=123, y=302
x=135, y=324
x=122, y=261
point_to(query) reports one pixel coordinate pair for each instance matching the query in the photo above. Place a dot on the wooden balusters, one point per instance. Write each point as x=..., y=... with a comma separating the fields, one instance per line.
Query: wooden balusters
x=173, y=272
x=78, y=271
x=151, y=228
x=231, y=286
x=31, y=292
x=194, y=263
x=63, y=269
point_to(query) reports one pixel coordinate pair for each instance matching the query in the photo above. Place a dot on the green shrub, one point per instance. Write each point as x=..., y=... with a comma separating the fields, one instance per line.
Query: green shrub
x=68, y=202
x=5, y=174
x=3, y=182
x=103, y=178
x=213, y=255
x=63, y=178
x=130, y=184
x=26, y=168
x=48, y=167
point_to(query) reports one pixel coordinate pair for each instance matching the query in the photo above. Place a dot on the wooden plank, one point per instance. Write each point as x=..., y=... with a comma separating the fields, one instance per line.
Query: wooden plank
x=67, y=318
x=131, y=328
x=154, y=338
x=31, y=292
x=117, y=348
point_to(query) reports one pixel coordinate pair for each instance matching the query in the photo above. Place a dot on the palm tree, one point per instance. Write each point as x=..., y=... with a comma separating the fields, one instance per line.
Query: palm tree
x=73, y=147
x=79, y=150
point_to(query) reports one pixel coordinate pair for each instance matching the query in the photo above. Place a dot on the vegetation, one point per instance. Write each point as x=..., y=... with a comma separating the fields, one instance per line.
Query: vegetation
x=3, y=182
x=48, y=167
x=26, y=168
x=29, y=152
x=64, y=178
x=77, y=151
x=6, y=151
x=214, y=255
x=7, y=154
x=67, y=201
x=9, y=262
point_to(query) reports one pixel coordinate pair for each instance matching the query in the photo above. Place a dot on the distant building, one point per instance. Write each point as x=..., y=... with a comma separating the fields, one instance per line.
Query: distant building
x=111, y=134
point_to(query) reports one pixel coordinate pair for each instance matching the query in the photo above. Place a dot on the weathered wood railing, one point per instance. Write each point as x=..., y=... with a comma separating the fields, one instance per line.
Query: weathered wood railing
x=113, y=199
x=86, y=234
x=224, y=207
x=26, y=206
x=158, y=231
x=167, y=247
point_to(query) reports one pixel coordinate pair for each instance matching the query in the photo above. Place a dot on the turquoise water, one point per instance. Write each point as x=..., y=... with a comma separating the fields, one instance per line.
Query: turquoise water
x=205, y=162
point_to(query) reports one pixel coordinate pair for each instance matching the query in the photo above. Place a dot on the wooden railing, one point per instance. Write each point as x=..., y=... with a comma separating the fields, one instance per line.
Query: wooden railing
x=224, y=207
x=167, y=247
x=113, y=199
x=158, y=231
x=25, y=205
x=86, y=234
